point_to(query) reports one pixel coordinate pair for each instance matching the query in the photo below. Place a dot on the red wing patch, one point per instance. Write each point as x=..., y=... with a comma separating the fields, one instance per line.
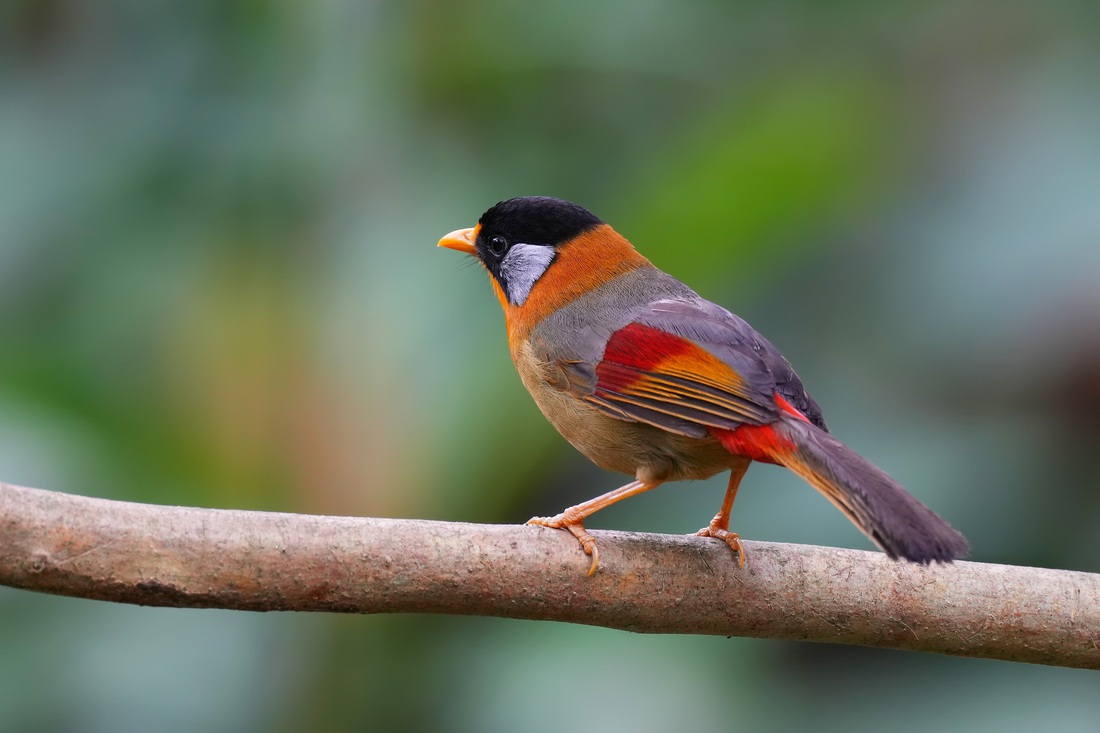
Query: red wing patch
x=662, y=379
x=758, y=442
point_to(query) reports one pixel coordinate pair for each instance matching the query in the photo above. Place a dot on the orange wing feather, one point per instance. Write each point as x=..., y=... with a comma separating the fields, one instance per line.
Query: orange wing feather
x=649, y=374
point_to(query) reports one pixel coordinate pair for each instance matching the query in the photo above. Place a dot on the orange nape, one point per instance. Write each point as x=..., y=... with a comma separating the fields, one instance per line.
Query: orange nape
x=582, y=264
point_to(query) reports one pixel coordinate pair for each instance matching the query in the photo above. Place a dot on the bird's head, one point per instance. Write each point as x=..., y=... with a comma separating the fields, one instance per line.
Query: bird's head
x=517, y=240
x=542, y=252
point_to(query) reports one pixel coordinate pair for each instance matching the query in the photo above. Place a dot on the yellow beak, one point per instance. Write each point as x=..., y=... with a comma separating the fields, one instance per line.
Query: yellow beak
x=461, y=239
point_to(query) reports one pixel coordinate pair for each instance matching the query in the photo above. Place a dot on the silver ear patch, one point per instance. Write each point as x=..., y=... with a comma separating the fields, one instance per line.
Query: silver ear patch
x=522, y=267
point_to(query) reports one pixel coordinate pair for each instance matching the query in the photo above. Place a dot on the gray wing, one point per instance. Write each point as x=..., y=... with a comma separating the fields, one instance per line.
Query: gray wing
x=732, y=339
x=682, y=364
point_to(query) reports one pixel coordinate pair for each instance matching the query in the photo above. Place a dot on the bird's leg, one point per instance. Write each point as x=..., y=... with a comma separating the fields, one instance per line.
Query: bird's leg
x=719, y=527
x=573, y=518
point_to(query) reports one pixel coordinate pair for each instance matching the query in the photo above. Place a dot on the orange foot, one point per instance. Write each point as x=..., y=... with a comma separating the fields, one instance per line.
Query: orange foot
x=732, y=539
x=576, y=527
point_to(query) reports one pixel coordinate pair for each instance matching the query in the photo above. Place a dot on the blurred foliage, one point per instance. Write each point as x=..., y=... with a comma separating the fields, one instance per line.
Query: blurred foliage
x=219, y=286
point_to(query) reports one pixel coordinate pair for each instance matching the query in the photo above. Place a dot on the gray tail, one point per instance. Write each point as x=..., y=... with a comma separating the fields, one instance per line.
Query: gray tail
x=877, y=504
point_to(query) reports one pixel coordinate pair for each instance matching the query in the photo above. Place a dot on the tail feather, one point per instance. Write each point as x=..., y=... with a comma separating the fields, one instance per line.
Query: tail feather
x=877, y=504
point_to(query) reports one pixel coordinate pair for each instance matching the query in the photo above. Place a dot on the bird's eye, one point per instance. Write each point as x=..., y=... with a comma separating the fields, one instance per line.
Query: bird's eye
x=497, y=245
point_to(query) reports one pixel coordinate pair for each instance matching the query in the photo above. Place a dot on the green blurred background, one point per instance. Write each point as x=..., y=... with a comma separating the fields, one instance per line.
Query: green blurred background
x=219, y=287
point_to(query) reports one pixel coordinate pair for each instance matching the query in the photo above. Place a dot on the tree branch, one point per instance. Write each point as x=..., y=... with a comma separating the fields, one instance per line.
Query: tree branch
x=262, y=561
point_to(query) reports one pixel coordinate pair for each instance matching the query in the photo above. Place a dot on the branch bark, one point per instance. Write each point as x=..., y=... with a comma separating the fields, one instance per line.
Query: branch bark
x=263, y=561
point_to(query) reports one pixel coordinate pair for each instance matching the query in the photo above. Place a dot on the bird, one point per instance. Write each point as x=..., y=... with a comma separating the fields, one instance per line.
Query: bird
x=645, y=377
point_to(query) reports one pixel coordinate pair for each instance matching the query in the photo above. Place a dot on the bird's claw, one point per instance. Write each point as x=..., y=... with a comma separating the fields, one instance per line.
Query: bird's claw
x=576, y=528
x=731, y=538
